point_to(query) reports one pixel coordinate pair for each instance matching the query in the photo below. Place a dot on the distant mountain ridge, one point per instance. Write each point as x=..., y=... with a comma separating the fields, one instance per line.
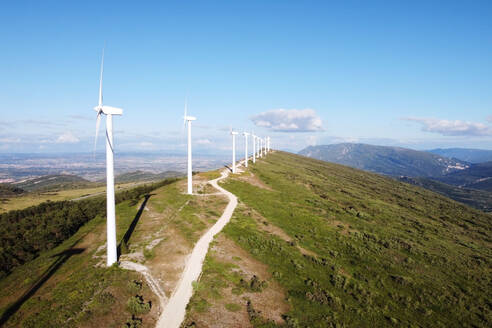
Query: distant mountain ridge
x=45, y=182
x=146, y=176
x=393, y=161
x=465, y=154
x=477, y=176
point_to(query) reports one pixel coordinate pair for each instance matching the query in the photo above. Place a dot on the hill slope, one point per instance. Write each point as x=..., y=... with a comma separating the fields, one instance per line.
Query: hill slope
x=145, y=176
x=8, y=190
x=465, y=154
x=393, y=161
x=477, y=176
x=345, y=248
x=479, y=199
x=49, y=182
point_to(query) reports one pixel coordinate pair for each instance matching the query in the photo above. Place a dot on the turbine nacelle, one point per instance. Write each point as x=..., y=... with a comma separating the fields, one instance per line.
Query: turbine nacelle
x=189, y=118
x=108, y=110
x=246, y=134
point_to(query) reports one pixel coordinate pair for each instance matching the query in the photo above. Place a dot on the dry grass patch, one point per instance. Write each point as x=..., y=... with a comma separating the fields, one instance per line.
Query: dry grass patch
x=253, y=180
x=226, y=306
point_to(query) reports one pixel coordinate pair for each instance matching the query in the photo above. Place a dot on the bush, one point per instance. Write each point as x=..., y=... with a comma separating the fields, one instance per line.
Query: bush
x=134, y=322
x=136, y=305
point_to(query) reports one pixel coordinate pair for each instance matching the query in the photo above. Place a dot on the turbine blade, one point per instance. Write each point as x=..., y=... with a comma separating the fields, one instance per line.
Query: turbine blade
x=101, y=80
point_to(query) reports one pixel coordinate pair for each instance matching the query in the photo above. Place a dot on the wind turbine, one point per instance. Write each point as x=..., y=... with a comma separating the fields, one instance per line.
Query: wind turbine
x=246, y=134
x=254, y=147
x=110, y=205
x=188, y=119
x=233, y=133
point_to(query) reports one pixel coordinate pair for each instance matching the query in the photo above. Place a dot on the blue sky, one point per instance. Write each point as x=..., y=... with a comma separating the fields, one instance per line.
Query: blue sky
x=408, y=73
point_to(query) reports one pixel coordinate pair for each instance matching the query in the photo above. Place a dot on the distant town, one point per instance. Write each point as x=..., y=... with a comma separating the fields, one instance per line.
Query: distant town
x=18, y=167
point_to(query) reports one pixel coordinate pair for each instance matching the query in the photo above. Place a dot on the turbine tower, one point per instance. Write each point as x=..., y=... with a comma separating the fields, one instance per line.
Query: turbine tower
x=246, y=134
x=254, y=147
x=187, y=121
x=110, y=204
x=233, y=133
x=259, y=147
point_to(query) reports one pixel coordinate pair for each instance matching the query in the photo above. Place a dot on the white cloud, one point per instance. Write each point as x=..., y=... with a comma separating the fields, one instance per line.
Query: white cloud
x=67, y=137
x=203, y=142
x=489, y=118
x=146, y=144
x=452, y=128
x=10, y=140
x=289, y=120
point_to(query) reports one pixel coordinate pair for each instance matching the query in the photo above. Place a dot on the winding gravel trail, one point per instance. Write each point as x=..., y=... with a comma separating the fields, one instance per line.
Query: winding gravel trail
x=174, y=311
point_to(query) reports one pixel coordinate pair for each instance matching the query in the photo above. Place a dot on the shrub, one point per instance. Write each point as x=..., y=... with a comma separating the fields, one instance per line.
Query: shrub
x=136, y=305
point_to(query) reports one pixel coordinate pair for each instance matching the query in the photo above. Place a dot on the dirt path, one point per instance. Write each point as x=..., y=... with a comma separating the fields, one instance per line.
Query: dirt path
x=174, y=311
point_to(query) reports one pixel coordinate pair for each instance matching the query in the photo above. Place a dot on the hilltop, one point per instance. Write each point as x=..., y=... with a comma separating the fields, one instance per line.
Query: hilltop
x=316, y=244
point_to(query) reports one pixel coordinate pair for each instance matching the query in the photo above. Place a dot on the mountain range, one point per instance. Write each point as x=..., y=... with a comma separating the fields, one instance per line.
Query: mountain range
x=469, y=183
x=465, y=154
x=394, y=161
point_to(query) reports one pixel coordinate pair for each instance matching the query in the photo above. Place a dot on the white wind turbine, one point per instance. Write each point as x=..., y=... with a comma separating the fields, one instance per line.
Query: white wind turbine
x=246, y=134
x=233, y=133
x=110, y=204
x=263, y=146
x=254, y=147
x=259, y=147
x=187, y=121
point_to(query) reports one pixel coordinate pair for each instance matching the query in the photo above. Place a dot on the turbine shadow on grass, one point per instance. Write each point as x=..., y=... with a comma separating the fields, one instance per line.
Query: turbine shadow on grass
x=62, y=258
x=133, y=225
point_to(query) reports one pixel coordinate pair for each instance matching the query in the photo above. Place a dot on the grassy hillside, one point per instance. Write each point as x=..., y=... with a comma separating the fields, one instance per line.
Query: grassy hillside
x=145, y=176
x=479, y=199
x=347, y=248
x=8, y=190
x=393, y=161
x=70, y=286
x=51, y=182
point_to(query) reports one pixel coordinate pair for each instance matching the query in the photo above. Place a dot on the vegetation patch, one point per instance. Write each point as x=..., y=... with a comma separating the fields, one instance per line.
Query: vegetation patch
x=387, y=253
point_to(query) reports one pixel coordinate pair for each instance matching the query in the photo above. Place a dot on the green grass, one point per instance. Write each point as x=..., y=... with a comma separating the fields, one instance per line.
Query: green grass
x=388, y=254
x=186, y=211
x=83, y=293
x=38, y=197
x=233, y=307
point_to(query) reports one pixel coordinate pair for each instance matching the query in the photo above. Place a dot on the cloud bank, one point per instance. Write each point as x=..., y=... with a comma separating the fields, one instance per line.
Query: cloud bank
x=452, y=128
x=289, y=120
x=67, y=137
